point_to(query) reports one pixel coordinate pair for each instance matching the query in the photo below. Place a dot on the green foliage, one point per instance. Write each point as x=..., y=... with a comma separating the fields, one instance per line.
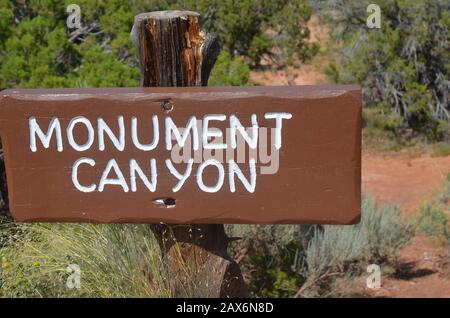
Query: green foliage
x=404, y=66
x=375, y=239
x=243, y=26
x=38, y=50
x=97, y=63
x=5, y=23
x=270, y=255
x=380, y=131
x=229, y=71
x=441, y=149
x=434, y=223
x=444, y=194
x=115, y=261
x=283, y=260
x=433, y=219
x=124, y=260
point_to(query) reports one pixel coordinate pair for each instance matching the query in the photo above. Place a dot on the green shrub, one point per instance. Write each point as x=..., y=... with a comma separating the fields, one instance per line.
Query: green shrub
x=339, y=249
x=115, y=261
x=403, y=66
x=380, y=131
x=441, y=149
x=434, y=223
x=283, y=260
x=124, y=260
x=444, y=193
x=229, y=71
x=251, y=28
x=270, y=252
x=432, y=220
x=38, y=50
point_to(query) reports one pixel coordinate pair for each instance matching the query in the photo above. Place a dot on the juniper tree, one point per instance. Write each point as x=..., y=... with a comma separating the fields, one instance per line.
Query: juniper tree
x=37, y=49
x=403, y=67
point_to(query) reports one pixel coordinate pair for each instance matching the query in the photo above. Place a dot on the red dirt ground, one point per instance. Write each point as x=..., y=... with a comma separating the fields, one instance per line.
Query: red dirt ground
x=400, y=178
x=408, y=181
x=394, y=178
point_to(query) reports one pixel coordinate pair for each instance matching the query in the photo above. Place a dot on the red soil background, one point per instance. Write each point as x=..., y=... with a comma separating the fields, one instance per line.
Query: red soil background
x=400, y=178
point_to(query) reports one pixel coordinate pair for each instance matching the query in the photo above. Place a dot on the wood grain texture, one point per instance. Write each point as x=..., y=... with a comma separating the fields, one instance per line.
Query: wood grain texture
x=317, y=181
x=173, y=50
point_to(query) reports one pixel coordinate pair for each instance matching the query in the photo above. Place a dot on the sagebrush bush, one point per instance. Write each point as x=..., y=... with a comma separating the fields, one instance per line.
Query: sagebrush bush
x=376, y=238
x=338, y=250
x=125, y=261
x=305, y=257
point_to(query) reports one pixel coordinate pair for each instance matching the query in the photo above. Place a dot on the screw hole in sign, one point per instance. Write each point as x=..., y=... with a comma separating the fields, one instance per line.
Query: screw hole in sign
x=165, y=202
x=167, y=106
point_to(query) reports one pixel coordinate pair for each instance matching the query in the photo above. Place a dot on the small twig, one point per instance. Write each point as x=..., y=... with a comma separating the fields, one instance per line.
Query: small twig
x=73, y=36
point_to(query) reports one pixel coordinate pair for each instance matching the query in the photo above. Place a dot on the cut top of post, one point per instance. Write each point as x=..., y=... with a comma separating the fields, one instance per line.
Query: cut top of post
x=172, y=49
x=166, y=15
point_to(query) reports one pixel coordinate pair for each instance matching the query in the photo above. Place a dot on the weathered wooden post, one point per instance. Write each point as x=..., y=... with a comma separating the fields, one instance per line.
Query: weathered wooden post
x=173, y=50
x=76, y=155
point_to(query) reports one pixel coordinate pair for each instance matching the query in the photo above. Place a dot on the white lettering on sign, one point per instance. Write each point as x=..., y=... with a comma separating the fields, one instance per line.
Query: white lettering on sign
x=220, y=176
x=235, y=125
x=212, y=133
x=181, y=140
x=90, y=188
x=134, y=167
x=45, y=138
x=82, y=136
x=235, y=170
x=90, y=133
x=279, y=125
x=118, y=142
x=181, y=177
x=134, y=134
x=119, y=180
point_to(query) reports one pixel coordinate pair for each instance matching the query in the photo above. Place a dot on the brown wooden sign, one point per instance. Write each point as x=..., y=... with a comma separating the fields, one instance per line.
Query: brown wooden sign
x=184, y=155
